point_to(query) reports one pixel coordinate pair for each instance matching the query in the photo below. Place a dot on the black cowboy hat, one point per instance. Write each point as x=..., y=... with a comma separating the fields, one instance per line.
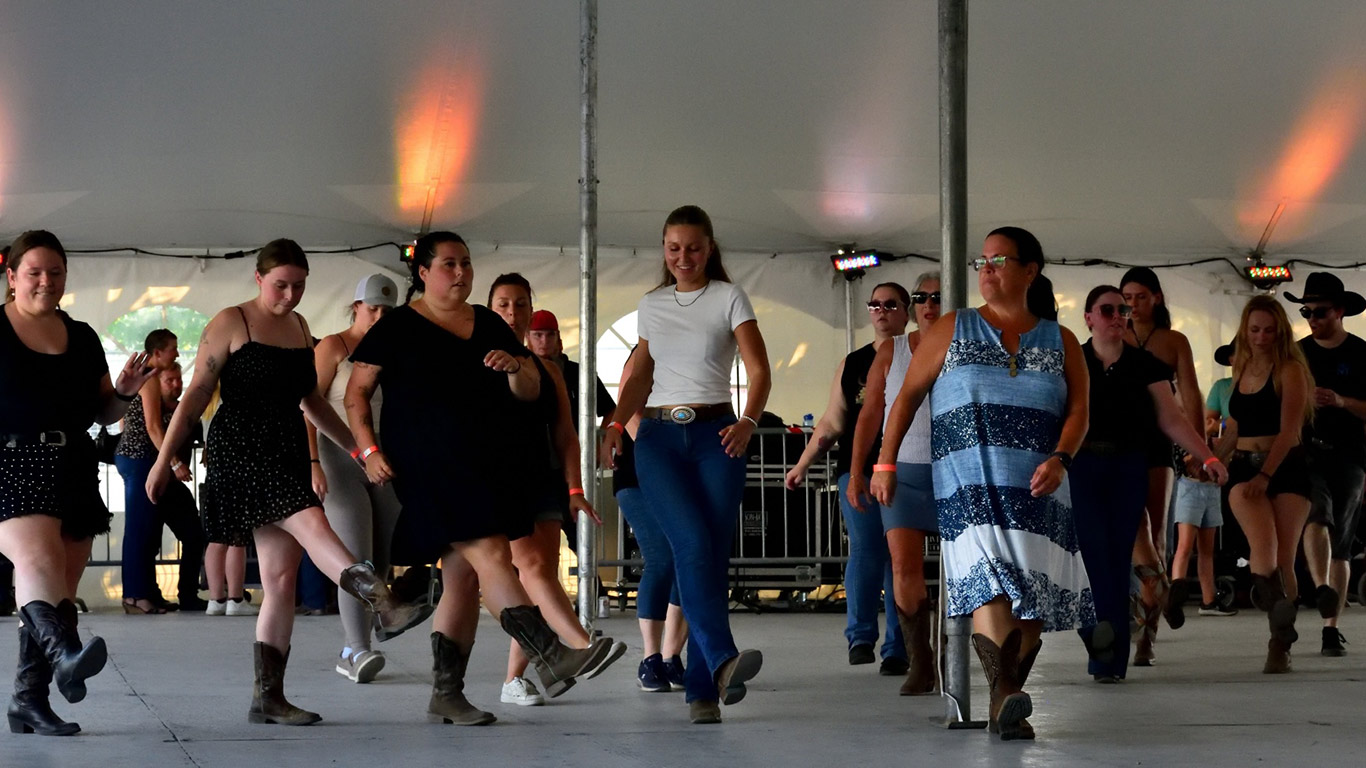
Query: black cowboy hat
x=1323, y=286
x=1224, y=355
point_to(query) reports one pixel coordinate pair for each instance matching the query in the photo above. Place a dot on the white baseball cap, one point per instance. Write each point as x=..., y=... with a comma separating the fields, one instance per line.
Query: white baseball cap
x=377, y=291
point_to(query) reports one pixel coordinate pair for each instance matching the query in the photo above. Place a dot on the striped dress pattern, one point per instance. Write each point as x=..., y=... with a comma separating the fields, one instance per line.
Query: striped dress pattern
x=994, y=418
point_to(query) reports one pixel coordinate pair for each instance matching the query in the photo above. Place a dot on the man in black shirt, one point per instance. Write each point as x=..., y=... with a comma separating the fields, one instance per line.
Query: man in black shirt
x=1336, y=442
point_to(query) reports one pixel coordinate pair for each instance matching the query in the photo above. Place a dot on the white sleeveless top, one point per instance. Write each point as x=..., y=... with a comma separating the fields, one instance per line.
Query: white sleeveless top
x=336, y=392
x=915, y=447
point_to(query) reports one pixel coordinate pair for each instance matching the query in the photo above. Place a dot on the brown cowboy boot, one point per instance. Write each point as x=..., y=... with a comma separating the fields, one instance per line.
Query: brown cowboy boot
x=1027, y=664
x=557, y=665
x=268, y=704
x=448, y=703
x=1268, y=593
x=392, y=618
x=915, y=630
x=1009, y=705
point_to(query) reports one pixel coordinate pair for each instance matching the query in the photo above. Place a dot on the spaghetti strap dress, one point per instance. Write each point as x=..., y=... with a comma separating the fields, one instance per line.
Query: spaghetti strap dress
x=995, y=418
x=257, y=448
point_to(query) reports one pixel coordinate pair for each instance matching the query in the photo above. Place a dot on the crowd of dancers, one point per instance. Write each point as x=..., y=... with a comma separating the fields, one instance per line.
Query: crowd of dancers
x=1044, y=465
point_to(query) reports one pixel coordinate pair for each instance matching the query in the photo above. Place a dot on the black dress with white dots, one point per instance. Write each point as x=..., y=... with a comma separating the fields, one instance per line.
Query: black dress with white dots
x=257, y=451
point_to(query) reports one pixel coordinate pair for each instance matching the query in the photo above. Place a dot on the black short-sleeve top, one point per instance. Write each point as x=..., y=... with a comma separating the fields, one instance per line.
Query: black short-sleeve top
x=441, y=403
x=40, y=392
x=1122, y=408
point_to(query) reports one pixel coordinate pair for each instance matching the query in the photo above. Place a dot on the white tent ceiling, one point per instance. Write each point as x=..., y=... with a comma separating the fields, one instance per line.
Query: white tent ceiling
x=1139, y=131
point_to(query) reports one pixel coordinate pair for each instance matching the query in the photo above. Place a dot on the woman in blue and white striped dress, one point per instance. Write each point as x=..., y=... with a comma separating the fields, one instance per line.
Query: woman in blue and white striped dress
x=1008, y=409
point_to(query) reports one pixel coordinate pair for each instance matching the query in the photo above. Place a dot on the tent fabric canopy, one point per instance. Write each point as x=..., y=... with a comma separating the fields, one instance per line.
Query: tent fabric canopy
x=1144, y=132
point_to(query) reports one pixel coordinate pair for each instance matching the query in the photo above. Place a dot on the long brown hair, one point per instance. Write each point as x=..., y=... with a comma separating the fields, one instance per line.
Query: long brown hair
x=1285, y=352
x=693, y=216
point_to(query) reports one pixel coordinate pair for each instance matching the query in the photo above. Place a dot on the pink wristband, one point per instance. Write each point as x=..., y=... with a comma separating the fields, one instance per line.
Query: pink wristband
x=575, y=491
x=884, y=467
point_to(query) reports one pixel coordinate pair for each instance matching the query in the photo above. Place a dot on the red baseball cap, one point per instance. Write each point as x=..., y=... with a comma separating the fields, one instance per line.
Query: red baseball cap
x=544, y=320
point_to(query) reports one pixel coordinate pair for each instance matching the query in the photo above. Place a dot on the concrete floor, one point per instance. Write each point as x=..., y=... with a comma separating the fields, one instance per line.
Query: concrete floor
x=177, y=688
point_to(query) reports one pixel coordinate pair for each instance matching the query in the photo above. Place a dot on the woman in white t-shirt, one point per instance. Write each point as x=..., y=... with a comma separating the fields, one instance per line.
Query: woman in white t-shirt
x=690, y=448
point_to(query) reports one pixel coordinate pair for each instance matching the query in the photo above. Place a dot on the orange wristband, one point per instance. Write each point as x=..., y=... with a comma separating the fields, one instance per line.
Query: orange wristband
x=621, y=430
x=884, y=467
x=1211, y=460
x=575, y=491
x=365, y=454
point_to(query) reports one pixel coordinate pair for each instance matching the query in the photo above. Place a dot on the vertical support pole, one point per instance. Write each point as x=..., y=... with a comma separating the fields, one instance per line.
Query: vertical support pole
x=848, y=316
x=588, y=303
x=953, y=222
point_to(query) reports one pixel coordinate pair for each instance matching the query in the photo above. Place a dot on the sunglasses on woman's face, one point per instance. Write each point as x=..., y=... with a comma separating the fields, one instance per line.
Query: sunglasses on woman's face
x=1108, y=311
x=922, y=297
x=890, y=305
x=1315, y=313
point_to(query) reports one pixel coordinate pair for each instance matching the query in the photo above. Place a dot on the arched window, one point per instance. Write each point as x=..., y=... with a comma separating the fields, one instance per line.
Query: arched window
x=615, y=346
x=128, y=332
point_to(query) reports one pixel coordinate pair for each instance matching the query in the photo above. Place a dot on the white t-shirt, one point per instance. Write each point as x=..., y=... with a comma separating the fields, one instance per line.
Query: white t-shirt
x=692, y=341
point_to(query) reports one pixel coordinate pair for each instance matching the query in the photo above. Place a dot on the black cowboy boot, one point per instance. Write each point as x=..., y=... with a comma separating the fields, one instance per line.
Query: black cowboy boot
x=29, y=710
x=448, y=703
x=54, y=629
x=268, y=703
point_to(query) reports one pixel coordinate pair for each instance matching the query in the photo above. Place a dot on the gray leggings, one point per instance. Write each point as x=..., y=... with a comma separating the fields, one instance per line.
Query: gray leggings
x=363, y=515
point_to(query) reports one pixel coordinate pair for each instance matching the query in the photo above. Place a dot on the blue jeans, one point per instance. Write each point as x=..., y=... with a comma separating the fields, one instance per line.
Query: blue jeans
x=141, y=530
x=658, y=589
x=693, y=490
x=868, y=577
x=1108, y=496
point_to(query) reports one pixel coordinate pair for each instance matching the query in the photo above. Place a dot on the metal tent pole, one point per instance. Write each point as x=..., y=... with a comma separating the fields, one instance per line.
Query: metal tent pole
x=953, y=222
x=588, y=303
x=848, y=316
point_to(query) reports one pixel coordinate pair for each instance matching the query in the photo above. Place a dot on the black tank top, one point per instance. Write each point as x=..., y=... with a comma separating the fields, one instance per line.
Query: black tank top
x=1257, y=414
x=852, y=383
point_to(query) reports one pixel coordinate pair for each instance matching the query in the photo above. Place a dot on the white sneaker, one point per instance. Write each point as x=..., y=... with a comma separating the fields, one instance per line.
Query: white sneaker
x=522, y=692
x=216, y=607
x=242, y=607
x=361, y=666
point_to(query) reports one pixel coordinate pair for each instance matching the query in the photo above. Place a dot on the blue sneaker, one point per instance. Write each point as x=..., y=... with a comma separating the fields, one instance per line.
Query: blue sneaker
x=651, y=676
x=674, y=672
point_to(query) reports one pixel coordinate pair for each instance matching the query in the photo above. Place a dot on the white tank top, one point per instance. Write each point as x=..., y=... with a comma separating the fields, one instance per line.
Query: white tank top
x=336, y=391
x=915, y=447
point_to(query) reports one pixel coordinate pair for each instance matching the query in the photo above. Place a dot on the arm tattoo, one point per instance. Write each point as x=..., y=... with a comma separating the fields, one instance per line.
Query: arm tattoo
x=212, y=364
x=825, y=442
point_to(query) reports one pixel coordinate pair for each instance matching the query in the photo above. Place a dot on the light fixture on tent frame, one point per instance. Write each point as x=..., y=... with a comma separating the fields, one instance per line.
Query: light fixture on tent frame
x=1257, y=271
x=406, y=251
x=852, y=263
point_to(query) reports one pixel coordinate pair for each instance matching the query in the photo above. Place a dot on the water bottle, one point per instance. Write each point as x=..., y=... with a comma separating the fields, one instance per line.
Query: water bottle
x=809, y=420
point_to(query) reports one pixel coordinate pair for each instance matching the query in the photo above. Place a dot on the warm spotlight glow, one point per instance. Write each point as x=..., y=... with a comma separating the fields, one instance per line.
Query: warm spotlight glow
x=436, y=131
x=1319, y=144
x=798, y=354
x=113, y=295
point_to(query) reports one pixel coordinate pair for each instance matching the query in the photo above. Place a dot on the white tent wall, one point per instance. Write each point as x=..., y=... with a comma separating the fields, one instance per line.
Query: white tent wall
x=797, y=297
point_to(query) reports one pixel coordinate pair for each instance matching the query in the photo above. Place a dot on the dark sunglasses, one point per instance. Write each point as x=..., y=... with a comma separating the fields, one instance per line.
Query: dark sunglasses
x=890, y=305
x=1315, y=313
x=1108, y=311
x=921, y=297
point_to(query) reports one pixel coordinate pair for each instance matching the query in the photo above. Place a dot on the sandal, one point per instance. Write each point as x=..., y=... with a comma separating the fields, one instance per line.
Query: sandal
x=141, y=607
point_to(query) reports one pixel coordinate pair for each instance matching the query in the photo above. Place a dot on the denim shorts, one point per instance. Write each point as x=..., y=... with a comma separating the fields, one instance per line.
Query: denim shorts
x=1198, y=504
x=913, y=504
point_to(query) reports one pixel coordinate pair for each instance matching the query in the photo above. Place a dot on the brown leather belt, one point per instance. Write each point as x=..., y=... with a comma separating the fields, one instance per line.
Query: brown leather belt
x=686, y=414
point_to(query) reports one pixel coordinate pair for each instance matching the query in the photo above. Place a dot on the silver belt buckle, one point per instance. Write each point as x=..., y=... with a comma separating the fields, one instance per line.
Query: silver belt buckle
x=57, y=441
x=682, y=414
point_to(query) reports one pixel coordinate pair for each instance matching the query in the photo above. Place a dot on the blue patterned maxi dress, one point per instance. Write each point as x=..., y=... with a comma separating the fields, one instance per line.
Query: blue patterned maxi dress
x=995, y=418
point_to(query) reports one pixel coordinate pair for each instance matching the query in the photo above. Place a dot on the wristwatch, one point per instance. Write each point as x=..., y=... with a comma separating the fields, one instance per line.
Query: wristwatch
x=1064, y=458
